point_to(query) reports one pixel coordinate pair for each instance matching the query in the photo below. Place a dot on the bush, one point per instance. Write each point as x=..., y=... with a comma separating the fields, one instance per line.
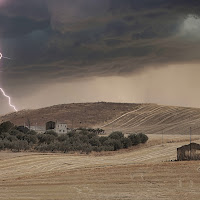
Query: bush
x=51, y=133
x=143, y=138
x=103, y=139
x=6, y=126
x=126, y=143
x=138, y=138
x=22, y=129
x=65, y=146
x=107, y=148
x=84, y=140
x=116, y=144
x=116, y=135
x=134, y=139
x=46, y=138
x=95, y=141
x=31, y=139
x=63, y=137
x=31, y=132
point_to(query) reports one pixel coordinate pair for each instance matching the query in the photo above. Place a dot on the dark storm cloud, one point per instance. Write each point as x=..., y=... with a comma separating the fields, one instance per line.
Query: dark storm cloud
x=36, y=9
x=66, y=39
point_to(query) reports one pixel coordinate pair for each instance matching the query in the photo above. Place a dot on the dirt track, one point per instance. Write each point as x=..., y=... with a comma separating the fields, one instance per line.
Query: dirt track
x=142, y=173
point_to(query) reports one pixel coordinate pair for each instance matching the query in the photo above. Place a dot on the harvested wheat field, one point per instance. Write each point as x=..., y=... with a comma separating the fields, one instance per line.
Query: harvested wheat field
x=140, y=173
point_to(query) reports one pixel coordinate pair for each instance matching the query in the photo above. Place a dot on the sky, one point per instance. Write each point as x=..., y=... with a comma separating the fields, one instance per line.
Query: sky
x=70, y=51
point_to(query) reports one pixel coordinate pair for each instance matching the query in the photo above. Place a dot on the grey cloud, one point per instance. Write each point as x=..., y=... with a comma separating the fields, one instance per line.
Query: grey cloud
x=36, y=9
x=64, y=40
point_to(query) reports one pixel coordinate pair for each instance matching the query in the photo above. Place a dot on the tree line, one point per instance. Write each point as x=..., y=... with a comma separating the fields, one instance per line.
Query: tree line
x=18, y=138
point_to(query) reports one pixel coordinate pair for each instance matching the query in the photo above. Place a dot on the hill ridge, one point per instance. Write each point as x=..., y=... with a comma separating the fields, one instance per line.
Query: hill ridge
x=127, y=117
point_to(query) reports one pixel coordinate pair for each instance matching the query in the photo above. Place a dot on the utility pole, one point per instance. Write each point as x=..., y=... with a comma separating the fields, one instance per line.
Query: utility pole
x=190, y=142
x=72, y=124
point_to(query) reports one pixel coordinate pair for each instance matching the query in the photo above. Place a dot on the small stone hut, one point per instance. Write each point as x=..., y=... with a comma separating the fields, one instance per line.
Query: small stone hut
x=50, y=125
x=189, y=152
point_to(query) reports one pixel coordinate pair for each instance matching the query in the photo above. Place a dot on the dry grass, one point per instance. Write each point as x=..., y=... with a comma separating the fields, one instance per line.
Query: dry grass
x=128, y=118
x=80, y=114
x=140, y=173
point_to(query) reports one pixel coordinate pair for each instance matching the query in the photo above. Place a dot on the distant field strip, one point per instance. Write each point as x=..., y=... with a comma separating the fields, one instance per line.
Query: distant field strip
x=35, y=165
x=153, y=119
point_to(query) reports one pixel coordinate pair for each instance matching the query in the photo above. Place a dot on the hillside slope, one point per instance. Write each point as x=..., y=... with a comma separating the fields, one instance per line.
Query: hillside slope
x=151, y=118
x=146, y=118
x=78, y=115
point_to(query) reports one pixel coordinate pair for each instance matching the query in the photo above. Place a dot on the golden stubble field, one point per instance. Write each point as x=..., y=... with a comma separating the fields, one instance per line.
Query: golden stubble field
x=140, y=173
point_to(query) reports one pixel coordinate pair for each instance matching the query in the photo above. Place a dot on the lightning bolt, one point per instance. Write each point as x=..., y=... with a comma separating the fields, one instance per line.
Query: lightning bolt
x=1, y=89
x=1, y=56
x=9, y=99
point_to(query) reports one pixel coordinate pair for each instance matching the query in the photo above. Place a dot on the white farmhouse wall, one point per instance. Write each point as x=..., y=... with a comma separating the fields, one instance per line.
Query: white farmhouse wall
x=38, y=129
x=61, y=128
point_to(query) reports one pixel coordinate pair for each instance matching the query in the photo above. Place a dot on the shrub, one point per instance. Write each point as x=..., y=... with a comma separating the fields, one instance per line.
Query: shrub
x=19, y=145
x=94, y=141
x=22, y=129
x=31, y=132
x=6, y=126
x=107, y=148
x=2, y=145
x=46, y=138
x=126, y=143
x=138, y=138
x=51, y=133
x=135, y=139
x=84, y=140
x=65, y=146
x=103, y=139
x=63, y=137
x=143, y=138
x=91, y=135
x=116, y=144
x=31, y=139
x=42, y=147
x=116, y=135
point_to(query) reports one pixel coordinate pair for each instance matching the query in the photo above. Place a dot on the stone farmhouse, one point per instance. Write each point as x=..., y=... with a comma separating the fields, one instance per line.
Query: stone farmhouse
x=189, y=152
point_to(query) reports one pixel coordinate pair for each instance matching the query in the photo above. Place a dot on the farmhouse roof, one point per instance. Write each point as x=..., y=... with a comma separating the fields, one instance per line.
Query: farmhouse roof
x=193, y=146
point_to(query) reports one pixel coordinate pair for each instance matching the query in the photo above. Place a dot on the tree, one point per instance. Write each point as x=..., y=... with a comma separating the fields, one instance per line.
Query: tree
x=116, y=144
x=63, y=137
x=143, y=138
x=22, y=129
x=103, y=139
x=51, y=133
x=6, y=126
x=46, y=138
x=138, y=138
x=116, y=135
x=126, y=143
x=94, y=141
x=31, y=138
x=31, y=132
x=135, y=139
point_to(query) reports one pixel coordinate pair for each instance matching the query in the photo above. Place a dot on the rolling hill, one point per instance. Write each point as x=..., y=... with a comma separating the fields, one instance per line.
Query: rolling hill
x=146, y=118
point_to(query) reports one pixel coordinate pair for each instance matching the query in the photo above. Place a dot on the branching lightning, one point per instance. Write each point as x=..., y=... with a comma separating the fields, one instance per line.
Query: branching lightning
x=1, y=89
x=1, y=56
